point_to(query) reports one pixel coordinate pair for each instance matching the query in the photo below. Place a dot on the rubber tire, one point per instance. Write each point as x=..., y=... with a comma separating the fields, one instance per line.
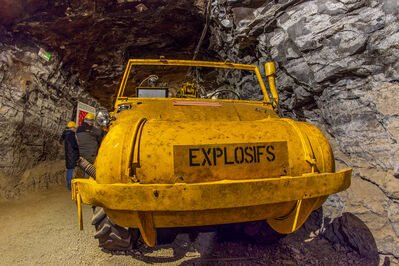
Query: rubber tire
x=111, y=236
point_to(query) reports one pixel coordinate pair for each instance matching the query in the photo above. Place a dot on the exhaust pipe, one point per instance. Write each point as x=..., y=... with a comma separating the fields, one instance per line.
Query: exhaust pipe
x=87, y=167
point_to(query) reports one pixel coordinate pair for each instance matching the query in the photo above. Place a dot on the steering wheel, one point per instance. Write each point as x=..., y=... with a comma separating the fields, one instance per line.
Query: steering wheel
x=224, y=94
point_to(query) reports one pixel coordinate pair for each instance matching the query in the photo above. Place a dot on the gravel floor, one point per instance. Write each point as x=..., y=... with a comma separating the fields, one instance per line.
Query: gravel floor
x=42, y=229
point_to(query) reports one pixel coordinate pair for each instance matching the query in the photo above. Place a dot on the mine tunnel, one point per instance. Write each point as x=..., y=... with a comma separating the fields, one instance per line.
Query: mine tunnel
x=265, y=105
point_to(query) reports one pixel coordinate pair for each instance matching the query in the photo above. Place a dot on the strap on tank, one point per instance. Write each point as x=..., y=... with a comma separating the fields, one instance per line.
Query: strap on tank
x=133, y=155
x=79, y=205
x=306, y=145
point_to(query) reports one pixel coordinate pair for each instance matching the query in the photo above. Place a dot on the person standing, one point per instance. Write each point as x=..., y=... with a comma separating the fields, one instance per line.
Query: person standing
x=71, y=150
x=89, y=138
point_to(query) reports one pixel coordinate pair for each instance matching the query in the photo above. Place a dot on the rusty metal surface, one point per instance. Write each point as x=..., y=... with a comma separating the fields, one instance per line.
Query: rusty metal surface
x=169, y=162
x=150, y=206
x=210, y=195
x=160, y=156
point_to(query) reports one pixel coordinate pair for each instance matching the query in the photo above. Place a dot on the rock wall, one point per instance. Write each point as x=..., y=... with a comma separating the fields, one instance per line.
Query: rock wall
x=37, y=98
x=96, y=38
x=337, y=67
x=91, y=42
x=338, y=64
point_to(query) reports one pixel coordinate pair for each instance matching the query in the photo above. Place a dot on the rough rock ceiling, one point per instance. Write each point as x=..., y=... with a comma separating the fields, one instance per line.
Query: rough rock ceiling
x=94, y=38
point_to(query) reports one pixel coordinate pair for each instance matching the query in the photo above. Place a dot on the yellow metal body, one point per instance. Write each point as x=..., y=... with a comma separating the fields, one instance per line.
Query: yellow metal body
x=270, y=70
x=172, y=162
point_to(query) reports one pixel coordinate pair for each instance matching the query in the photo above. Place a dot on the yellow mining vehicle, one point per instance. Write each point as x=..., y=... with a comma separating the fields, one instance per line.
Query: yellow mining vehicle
x=205, y=157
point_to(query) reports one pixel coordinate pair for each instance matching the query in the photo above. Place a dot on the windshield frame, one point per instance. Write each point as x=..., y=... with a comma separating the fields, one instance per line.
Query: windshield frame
x=188, y=63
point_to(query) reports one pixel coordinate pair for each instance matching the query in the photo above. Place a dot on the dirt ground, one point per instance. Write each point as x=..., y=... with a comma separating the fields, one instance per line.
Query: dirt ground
x=42, y=229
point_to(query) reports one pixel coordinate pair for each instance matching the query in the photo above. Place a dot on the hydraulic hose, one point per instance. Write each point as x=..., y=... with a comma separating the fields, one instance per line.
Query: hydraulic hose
x=87, y=167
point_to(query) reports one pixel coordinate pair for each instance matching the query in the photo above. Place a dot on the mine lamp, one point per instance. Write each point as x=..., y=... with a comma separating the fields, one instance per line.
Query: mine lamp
x=103, y=118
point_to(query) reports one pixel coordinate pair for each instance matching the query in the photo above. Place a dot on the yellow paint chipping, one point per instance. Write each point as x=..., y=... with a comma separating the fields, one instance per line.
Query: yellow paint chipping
x=169, y=162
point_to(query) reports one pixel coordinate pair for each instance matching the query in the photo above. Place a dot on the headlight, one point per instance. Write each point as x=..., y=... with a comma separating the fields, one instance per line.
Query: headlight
x=103, y=118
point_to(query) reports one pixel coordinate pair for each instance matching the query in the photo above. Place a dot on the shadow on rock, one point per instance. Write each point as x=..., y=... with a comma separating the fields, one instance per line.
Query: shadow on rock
x=183, y=246
x=350, y=231
x=345, y=241
x=162, y=253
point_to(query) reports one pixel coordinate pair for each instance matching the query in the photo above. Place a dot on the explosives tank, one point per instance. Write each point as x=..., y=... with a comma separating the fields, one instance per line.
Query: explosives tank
x=171, y=162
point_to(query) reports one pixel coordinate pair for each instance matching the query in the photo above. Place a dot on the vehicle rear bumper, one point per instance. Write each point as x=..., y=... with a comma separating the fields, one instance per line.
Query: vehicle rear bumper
x=210, y=195
x=285, y=202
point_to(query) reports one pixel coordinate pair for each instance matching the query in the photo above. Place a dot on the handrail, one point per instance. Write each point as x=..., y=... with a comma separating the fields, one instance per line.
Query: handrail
x=226, y=64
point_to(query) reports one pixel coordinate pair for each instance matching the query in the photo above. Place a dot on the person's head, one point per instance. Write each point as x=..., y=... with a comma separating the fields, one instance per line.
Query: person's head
x=71, y=125
x=89, y=119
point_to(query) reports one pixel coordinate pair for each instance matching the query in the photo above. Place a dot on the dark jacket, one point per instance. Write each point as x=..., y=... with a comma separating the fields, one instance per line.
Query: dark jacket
x=89, y=139
x=71, y=148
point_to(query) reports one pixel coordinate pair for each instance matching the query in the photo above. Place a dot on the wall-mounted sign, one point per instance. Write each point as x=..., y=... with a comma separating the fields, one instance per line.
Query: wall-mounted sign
x=82, y=110
x=43, y=54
